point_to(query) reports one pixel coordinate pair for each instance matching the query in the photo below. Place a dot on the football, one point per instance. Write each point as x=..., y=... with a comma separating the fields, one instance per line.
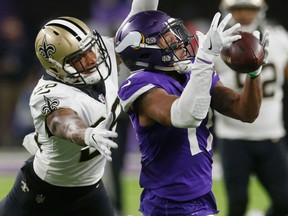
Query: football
x=244, y=55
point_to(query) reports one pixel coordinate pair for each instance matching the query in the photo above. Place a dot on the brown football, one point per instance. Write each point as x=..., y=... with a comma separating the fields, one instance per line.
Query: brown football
x=244, y=55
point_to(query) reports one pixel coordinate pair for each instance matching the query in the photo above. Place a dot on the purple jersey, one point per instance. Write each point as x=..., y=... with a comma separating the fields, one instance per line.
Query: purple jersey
x=176, y=162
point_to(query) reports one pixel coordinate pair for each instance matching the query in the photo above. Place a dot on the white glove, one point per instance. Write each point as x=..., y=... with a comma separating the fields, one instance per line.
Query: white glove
x=265, y=43
x=211, y=44
x=99, y=137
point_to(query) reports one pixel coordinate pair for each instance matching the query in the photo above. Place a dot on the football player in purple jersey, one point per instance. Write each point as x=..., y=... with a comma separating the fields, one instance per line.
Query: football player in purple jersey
x=169, y=98
x=74, y=107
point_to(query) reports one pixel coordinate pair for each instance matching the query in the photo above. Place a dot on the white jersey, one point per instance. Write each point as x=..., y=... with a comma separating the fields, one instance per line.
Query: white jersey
x=58, y=161
x=269, y=124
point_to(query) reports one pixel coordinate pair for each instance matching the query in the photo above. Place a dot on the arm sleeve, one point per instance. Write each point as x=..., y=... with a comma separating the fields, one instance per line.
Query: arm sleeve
x=142, y=5
x=193, y=105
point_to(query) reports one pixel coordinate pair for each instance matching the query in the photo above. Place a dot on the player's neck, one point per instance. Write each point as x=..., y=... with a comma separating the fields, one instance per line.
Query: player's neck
x=181, y=78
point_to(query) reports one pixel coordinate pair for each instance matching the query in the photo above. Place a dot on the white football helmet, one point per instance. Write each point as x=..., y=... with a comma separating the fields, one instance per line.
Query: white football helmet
x=63, y=41
x=226, y=6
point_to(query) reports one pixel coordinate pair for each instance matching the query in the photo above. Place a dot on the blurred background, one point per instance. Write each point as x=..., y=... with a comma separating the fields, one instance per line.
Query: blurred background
x=20, y=22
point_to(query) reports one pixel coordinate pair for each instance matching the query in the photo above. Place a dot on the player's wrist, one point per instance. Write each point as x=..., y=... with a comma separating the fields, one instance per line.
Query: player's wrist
x=205, y=57
x=88, y=135
x=255, y=74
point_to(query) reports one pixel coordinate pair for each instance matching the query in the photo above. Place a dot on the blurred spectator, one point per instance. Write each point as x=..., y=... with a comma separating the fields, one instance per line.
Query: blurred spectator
x=22, y=122
x=15, y=64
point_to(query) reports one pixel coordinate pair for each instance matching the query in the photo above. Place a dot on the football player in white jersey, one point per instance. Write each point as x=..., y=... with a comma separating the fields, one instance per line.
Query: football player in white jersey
x=257, y=148
x=74, y=107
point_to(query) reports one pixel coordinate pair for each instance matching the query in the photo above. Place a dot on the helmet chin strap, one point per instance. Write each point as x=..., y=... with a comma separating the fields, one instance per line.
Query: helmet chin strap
x=162, y=68
x=156, y=67
x=70, y=70
x=180, y=66
x=93, y=78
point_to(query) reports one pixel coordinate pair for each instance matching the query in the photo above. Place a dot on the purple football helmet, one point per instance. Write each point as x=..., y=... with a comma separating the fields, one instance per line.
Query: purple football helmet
x=137, y=39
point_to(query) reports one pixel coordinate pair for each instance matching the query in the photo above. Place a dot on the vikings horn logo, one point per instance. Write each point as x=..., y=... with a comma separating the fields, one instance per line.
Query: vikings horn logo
x=46, y=50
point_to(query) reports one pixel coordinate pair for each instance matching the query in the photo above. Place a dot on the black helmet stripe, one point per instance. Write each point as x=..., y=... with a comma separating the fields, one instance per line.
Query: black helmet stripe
x=69, y=26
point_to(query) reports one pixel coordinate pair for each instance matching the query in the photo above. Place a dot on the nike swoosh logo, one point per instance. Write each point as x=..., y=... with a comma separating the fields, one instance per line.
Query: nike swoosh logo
x=127, y=84
x=210, y=47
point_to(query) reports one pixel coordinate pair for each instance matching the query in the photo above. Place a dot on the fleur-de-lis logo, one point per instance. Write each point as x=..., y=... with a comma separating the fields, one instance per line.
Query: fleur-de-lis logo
x=46, y=50
x=24, y=186
x=49, y=106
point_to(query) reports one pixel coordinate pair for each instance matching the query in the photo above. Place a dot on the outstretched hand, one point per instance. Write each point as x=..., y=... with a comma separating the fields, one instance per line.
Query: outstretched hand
x=99, y=137
x=217, y=37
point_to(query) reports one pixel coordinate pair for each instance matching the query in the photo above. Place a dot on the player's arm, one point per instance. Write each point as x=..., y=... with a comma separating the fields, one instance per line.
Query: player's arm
x=194, y=103
x=243, y=106
x=154, y=106
x=192, y=106
x=184, y=111
x=246, y=105
x=65, y=123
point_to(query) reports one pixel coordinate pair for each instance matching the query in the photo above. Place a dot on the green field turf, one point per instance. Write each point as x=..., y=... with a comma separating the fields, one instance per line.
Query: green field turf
x=131, y=190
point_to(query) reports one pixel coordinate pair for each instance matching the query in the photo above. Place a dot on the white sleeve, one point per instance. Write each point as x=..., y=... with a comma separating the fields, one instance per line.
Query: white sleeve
x=142, y=5
x=193, y=104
